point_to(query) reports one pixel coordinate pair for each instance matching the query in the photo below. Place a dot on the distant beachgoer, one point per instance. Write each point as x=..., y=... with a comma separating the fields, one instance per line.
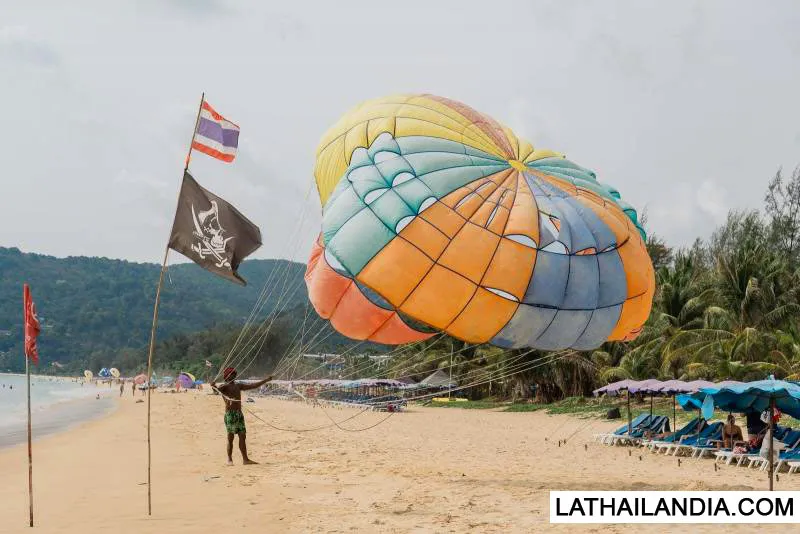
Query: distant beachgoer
x=98, y=396
x=121, y=388
x=231, y=392
x=133, y=389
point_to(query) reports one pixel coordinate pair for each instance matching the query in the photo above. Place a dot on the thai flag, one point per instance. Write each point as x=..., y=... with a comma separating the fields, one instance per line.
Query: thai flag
x=215, y=135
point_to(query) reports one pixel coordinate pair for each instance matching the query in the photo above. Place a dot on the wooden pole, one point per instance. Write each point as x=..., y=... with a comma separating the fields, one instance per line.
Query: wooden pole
x=674, y=415
x=30, y=448
x=155, y=324
x=628, y=396
x=196, y=122
x=771, y=441
x=150, y=377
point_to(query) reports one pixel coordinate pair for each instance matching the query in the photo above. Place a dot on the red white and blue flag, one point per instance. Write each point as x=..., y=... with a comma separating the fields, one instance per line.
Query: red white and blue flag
x=215, y=135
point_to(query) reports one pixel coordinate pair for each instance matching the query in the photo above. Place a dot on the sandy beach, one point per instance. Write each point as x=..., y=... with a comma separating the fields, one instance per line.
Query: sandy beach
x=427, y=470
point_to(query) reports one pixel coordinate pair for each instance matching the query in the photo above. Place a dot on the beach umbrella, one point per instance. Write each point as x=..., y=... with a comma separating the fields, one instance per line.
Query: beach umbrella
x=758, y=396
x=673, y=387
x=697, y=385
x=88, y=374
x=186, y=380
x=114, y=372
x=613, y=389
x=140, y=379
x=616, y=388
x=650, y=386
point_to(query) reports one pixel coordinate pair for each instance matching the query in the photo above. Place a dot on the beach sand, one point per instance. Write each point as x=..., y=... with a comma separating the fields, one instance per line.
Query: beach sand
x=427, y=470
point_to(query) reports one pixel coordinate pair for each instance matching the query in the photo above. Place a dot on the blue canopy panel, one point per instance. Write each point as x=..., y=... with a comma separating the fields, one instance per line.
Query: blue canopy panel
x=748, y=397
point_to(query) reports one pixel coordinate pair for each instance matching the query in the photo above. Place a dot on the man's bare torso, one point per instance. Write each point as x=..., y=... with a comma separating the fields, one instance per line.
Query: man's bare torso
x=232, y=395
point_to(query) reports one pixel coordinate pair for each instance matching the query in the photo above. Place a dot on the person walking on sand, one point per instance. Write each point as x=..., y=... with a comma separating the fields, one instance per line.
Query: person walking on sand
x=231, y=392
x=133, y=388
x=121, y=387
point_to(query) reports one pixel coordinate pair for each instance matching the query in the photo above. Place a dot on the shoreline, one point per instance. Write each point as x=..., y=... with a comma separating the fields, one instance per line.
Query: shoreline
x=57, y=418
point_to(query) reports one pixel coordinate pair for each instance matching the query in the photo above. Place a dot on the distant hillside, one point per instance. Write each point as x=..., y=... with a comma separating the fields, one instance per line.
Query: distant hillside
x=93, y=308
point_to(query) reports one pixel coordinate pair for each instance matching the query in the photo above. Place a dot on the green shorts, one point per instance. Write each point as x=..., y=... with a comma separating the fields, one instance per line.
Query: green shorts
x=234, y=422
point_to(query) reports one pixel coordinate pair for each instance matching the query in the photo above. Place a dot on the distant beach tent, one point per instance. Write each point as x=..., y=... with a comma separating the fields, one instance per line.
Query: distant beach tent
x=88, y=374
x=140, y=379
x=438, y=379
x=186, y=380
x=166, y=381
x=114, y=372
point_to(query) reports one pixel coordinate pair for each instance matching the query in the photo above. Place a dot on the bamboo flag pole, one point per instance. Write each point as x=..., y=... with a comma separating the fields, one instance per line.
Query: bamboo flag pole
x=153, y=329
x=30, y=448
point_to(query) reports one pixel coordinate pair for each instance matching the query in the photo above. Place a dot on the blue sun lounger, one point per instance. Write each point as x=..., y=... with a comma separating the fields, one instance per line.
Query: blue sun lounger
x=607, y=438
x=712, y=431
x=692, y=427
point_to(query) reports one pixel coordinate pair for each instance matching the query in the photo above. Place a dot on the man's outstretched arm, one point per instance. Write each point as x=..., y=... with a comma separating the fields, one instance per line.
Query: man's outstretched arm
x=257, y=385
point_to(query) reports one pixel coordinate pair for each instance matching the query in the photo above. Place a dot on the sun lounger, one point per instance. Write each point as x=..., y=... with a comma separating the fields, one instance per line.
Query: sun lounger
x=657, y=425
x=791, y=441
x=788, y=436
x=686, y=445
x=662, y=444
x=639, y=419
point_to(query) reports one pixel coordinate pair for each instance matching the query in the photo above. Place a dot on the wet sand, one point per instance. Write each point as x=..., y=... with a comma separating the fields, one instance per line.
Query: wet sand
x=428, y=470
x=56, y=418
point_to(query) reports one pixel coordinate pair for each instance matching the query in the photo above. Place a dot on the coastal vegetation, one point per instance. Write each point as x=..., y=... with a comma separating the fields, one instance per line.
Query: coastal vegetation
x=725, y=308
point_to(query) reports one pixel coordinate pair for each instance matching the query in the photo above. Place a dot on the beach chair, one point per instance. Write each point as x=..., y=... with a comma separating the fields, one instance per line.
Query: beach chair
x=638, y=420
x=687, y=443
x=788, y=436
x=689, y=428
x=656, y=425
x=791, y=441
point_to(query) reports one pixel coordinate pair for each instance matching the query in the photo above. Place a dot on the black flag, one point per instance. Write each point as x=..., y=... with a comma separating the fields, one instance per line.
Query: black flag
x=211, y=232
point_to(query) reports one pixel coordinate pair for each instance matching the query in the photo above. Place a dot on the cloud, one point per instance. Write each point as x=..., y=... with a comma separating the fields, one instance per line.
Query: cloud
x=711, y=200
x=17, y=44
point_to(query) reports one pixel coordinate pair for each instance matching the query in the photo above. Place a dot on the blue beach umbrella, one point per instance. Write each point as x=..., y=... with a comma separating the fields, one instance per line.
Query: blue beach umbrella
x=758, y=396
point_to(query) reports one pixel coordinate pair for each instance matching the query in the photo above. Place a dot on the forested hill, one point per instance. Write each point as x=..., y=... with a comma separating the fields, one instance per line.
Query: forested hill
x=93, y=308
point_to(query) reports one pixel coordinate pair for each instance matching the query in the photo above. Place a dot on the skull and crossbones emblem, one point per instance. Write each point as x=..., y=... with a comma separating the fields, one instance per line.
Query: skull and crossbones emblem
x=210, y=234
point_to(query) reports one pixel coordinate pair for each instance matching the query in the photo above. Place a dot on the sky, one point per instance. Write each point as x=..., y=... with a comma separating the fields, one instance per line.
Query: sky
x=687, y=108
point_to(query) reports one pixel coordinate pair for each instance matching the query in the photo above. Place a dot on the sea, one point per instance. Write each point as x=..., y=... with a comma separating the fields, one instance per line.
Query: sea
x=57, y=403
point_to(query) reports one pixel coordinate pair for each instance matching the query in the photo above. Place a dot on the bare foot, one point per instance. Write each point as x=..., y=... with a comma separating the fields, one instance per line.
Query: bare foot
x=229, y=462
x=249, y=462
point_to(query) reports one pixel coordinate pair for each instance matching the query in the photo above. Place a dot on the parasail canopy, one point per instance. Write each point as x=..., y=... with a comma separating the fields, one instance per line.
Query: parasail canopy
x=140, y=379
x=114, y=372
x=88, y=374
x=436, y=218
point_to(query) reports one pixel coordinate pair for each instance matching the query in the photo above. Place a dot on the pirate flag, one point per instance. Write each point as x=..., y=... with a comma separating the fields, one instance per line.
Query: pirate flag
x=211, y=232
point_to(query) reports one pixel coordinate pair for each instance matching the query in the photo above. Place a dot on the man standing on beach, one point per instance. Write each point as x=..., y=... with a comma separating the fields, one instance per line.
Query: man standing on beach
x=231, y=392
x=121, y=387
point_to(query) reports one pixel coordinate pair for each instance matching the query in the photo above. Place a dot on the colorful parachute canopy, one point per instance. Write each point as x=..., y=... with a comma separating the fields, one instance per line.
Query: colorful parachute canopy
x=114, y=372
x=140, y=379
x=88, y=374
x=437, y=218
x=104, y=372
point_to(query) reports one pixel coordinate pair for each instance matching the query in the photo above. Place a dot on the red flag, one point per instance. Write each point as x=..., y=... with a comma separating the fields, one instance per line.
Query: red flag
x=31, y=326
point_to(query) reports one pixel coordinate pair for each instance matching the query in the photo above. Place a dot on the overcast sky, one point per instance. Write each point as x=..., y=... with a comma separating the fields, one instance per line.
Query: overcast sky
x=688, y=108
